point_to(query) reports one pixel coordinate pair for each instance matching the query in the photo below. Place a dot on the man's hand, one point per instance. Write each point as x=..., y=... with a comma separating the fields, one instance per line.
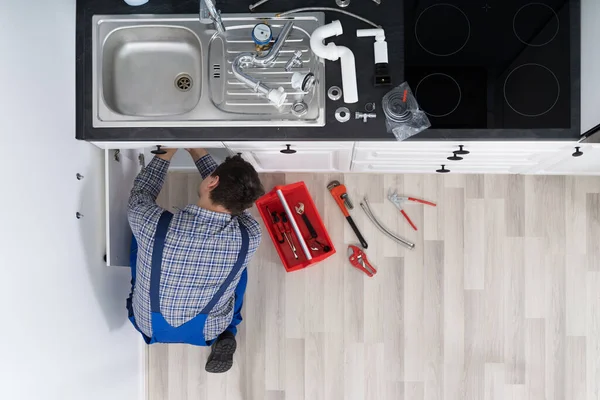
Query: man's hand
x=170, y=152
x=197, y=153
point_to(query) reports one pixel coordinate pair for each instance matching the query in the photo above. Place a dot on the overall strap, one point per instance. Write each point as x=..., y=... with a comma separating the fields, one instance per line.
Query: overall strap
x=236, y=268
x=157, y=253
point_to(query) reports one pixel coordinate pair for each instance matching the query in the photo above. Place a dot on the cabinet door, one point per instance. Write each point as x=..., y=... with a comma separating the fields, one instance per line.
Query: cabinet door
x=305, y=160
x=295, y=156
x=182, y=161
x=431, y=168
x=565, y=162
x=138, y=145
x=121, y=167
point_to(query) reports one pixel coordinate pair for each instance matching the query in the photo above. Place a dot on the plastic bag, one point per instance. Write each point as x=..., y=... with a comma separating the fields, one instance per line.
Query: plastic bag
x=403, y=117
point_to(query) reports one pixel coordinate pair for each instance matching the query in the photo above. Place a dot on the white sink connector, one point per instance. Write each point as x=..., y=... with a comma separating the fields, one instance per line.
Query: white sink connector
x=333, y=52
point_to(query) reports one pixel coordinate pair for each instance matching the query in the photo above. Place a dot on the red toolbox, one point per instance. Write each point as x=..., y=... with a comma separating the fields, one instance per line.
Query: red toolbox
x=288, y=229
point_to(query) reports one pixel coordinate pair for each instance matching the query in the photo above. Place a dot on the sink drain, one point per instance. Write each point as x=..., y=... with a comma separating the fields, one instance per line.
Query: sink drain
x=183, y=82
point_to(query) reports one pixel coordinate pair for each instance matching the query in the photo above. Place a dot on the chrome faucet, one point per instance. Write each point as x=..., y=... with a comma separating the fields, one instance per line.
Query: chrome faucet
x=209, y=14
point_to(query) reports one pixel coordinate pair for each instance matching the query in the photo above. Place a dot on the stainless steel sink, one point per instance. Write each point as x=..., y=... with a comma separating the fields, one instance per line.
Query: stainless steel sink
x=153, y=70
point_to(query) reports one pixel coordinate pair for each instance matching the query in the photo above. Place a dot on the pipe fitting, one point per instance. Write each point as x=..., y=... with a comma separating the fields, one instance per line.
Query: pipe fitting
x=243, y=60
x=332, y=52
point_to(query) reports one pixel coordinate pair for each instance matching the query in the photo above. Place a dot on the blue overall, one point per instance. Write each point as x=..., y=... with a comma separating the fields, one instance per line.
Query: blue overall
x=191, y=332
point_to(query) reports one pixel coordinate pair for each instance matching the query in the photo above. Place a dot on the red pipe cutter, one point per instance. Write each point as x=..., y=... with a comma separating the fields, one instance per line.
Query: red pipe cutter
x=358, y=259
x=399, y=201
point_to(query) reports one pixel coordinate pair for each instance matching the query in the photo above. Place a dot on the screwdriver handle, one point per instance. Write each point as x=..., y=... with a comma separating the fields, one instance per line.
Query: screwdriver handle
x=361, y=239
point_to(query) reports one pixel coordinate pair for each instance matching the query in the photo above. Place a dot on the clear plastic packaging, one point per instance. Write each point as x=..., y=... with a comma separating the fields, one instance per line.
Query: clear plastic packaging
x=403, y=117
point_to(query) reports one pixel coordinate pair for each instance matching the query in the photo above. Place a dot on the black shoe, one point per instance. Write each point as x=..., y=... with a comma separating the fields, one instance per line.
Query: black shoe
x=221, y=357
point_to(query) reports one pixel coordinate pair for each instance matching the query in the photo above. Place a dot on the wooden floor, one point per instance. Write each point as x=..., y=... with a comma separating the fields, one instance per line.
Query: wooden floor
x=500, y=299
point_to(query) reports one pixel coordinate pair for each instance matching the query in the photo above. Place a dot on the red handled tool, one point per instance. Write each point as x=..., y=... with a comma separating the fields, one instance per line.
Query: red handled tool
x=358, y=259
x=340, y=195
x=399, y=202
x=277, y=227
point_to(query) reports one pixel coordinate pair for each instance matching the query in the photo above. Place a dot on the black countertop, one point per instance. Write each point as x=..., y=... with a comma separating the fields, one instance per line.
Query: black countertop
x=389, y=14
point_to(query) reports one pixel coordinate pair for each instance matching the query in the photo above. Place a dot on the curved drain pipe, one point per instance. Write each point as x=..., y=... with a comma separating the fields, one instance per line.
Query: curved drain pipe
x=244, y=60
x=333, y=52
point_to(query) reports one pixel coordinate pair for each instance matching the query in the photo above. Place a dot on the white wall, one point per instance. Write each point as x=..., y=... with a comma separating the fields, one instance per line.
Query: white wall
x=63, y=329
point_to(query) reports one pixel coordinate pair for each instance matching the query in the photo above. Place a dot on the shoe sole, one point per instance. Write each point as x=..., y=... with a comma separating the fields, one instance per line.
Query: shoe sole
x=221, y=357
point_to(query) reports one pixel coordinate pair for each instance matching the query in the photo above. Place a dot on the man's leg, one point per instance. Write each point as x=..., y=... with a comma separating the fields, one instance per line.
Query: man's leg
x=221, y=355
x=239, y=302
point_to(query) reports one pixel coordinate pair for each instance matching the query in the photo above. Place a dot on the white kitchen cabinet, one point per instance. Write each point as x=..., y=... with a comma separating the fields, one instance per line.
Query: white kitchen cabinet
x=295, y=156
x=121, y=168
x=562, y=162
x=427, y=157
x=182, y=161
x=166, y=143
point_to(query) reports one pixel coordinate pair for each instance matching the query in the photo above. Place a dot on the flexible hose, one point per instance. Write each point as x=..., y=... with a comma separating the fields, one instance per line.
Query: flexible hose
x=303, y=9
x=367, y=209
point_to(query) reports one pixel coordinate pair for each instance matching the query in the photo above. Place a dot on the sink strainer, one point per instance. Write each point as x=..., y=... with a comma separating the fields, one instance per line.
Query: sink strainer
x=183, y=82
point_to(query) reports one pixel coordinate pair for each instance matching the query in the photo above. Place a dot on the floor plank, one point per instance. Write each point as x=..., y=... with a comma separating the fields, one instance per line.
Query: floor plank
x=498, y=300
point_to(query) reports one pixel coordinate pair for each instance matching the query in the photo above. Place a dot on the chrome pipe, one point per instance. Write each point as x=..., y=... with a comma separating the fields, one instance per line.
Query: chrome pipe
x=367, y=209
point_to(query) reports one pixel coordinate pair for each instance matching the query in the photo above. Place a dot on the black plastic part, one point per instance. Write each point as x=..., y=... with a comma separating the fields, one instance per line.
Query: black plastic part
x=305, y=81
x=325, y=247
x=288, y=150
x=382, y=75
x=578, y=152
x=442, y=170
x=360, y=237
x=158, y=150
x=309, y=226
x=455, y=157
x=460, y=151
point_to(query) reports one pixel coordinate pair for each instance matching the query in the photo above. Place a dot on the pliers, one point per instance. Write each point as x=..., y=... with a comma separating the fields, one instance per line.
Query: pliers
x=398, y=201
x=358, y=259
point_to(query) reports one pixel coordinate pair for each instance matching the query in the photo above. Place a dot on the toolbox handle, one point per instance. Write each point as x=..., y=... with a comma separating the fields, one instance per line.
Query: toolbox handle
x=288, y=211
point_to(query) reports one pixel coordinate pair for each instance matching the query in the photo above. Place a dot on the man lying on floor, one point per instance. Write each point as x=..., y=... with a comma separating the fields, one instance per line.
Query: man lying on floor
x=189, y=269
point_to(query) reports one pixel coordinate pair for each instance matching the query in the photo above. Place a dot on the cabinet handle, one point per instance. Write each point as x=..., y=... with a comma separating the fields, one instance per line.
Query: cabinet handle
x=455, y=157
x=460, y=151
x=288, y=150
x=158, y=150
x=578, y=153
x=442, y=170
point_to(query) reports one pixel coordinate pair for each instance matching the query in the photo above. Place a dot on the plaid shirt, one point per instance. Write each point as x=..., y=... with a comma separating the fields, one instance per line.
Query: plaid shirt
x=201, y=248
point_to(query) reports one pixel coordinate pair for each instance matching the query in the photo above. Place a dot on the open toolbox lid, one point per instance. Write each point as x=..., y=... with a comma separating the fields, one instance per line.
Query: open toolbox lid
x=282, y=202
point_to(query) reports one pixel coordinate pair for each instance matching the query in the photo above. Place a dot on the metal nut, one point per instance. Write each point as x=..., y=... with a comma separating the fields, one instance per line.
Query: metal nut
x=370, y=107
x=342, y=114
x=334, y=93
x=299, y=109
x=342, y=3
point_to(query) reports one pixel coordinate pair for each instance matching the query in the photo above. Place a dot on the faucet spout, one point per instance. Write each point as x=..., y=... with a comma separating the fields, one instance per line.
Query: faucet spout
x=209, y=14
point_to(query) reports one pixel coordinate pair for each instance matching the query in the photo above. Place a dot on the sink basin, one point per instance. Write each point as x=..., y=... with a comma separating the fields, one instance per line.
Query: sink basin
x=151, y=71
x=173, y=71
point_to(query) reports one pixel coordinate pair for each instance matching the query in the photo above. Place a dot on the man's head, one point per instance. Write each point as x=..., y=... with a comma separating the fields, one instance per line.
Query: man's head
x=234, y=186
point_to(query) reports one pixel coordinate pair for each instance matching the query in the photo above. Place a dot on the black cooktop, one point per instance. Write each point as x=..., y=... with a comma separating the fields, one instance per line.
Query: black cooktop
x=495, y=64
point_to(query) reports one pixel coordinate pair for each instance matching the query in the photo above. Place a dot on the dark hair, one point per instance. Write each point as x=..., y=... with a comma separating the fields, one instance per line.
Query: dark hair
x=239, y=185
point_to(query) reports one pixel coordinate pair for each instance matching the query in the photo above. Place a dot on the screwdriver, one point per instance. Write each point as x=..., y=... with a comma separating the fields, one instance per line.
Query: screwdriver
x=277, y=228
x=288, y=233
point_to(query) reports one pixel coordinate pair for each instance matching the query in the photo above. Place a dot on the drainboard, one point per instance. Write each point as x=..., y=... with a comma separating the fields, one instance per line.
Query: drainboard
x=231, y=95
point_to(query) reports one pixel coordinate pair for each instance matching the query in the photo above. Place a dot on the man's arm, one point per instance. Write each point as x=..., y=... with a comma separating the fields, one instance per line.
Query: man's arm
x=204, y=162
x=146, y=187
